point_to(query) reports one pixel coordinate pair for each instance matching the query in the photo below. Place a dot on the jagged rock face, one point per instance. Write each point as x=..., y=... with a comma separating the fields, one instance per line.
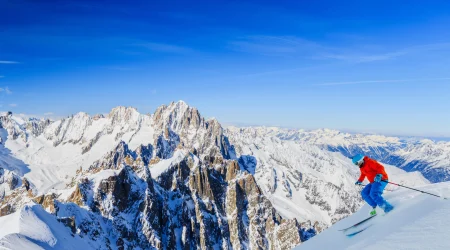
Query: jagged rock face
x=12, y=196
x=37, y=127
x=123, y=115
x=120, y=190
x=127, y=204
x=13, y=129
x=205, y=137
x=143, y=155
x=123, y=155
x=191, y=205
x=288, y=233
x=8, y=181
x=69, y=130
x=47, y=201
x=166, y=144
x=98, y=116
x=79, y=196
x=14, y=201
x=178, y=117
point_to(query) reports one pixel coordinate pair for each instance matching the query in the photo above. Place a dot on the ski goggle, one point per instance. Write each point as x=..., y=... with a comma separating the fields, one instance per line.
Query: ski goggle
x=358, y=163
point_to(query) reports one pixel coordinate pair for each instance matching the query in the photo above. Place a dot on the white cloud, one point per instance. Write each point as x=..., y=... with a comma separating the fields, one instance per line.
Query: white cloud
x=6, y=90
x=8, y=62
x=163, y=47
x=381, y=81
x=361, y=56
x=119, y=68
x=48, y=113
x=292, y=46
x=13, y=105
x=274, y=45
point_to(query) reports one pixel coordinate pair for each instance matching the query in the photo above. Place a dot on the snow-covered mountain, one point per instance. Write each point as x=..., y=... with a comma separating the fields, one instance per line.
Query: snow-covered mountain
x=55, y=150
x=168, y=180
x=419, y=221
x=302, y=180
x=431, y=158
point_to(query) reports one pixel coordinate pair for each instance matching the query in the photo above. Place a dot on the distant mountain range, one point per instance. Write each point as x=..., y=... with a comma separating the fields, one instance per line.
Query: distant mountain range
x=430, y=158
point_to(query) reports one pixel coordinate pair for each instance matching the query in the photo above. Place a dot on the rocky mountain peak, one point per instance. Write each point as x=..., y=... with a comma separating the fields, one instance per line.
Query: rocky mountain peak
x=178, y=116
x=123, y=114
x=183, y=123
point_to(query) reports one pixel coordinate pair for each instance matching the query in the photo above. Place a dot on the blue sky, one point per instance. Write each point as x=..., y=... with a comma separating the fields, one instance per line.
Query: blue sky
x=380, y=67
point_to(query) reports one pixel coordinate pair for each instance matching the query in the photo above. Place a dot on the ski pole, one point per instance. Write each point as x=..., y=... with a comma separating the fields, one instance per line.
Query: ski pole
x=362, y=185
x=414, y=189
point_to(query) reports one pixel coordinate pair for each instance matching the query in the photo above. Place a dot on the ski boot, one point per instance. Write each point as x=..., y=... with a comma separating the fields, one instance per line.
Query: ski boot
x=387, y=207
x=373, y=212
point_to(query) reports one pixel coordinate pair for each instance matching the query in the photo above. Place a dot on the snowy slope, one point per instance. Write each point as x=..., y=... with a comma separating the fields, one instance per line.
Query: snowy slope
x=33, y=228
x=419, y=221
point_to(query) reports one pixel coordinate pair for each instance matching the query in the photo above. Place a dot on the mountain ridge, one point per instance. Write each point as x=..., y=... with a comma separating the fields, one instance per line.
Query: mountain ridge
x=236, y=188
x=429, y=157
x=182, y=165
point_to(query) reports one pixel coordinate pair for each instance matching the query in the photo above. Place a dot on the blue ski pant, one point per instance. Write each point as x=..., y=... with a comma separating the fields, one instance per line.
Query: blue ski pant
x=372, y=193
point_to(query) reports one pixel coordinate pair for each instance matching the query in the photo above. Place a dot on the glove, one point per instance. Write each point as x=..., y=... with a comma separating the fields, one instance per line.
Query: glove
x=378, y=177
x=358, y=183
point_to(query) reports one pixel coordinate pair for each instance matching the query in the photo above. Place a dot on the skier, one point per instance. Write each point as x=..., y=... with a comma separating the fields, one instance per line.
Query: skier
x=378, y=179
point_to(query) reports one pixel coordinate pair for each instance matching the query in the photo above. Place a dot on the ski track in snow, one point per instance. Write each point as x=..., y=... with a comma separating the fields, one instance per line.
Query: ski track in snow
x=419, y=221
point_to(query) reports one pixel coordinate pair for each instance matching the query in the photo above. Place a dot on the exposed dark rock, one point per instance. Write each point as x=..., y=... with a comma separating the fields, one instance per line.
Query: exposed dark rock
x=26, y=183
x=47, y=201
x=70, y=223
x=6, y=209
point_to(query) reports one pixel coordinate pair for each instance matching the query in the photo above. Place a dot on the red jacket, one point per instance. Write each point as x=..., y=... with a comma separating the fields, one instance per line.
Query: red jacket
x=370, y=169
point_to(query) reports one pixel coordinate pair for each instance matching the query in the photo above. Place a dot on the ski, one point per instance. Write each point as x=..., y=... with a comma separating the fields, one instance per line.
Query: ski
x=357, y=224
x=357, y=232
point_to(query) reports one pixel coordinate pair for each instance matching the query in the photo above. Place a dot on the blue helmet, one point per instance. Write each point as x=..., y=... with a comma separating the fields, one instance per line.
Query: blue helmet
x=358, y=159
